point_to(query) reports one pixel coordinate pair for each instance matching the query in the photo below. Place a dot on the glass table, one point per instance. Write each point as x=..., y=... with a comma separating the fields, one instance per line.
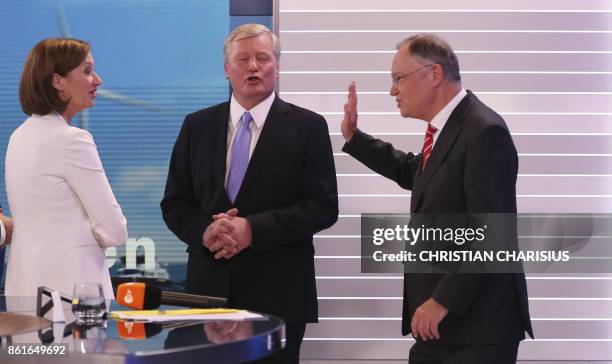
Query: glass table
x=133, y=342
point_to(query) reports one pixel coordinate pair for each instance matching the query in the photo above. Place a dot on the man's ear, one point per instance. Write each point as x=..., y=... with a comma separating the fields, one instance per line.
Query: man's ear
x=58, y=82
x=277, y=65
x=225, y=70
x=437, y=73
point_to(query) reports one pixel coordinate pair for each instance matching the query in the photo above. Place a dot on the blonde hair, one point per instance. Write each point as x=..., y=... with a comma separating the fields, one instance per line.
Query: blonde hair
x=248, y=31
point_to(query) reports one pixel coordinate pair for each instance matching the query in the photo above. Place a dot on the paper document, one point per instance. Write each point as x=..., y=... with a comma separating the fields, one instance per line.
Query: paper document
x=200, y=314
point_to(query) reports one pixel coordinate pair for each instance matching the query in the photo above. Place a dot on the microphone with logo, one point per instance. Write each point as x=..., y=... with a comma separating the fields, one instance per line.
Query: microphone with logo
x=137, y=330
x=132, y=330
x=141, y=296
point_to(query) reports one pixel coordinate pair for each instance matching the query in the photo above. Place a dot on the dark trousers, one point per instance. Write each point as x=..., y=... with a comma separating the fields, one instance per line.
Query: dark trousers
x=433, y=353
x=294, y=334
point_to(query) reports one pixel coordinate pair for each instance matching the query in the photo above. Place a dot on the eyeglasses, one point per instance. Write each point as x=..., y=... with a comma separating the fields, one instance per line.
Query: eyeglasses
x=398, y=79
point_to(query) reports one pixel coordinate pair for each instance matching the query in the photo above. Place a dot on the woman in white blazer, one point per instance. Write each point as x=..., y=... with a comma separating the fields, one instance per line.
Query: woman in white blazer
x=63, y=208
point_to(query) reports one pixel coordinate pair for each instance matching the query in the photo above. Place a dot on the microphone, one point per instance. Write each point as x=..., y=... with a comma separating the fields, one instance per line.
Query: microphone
x=141, y=296
x=137, y=330
x=133, y=330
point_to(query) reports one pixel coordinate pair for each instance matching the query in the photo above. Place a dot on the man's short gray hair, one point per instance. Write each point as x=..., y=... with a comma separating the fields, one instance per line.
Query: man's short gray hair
x=248, y=31
x=433, y=49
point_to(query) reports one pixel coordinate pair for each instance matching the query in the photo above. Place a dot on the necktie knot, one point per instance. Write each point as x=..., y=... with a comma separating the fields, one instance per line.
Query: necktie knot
x=245, y=119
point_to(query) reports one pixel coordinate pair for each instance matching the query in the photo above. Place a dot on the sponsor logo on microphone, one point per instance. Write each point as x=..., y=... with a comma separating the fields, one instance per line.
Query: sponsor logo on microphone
x=128, y=326
x=128, y=296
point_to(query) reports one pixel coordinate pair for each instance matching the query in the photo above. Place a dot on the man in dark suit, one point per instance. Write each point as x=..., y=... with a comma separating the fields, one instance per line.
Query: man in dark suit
x=468, y=165
x=250, y=181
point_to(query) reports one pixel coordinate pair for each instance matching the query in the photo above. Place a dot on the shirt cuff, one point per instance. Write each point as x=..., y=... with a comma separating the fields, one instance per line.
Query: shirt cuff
x=2, y=233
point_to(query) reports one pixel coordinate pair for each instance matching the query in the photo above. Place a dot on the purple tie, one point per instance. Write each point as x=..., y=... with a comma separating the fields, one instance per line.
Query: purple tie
x=240, y=156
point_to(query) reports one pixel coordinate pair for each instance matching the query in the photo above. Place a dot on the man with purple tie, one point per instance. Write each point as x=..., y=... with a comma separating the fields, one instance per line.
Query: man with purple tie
x=250, y=181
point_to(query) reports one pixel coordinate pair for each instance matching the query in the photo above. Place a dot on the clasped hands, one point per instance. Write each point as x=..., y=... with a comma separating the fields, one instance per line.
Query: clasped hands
x=227, y=235
x=220, y=332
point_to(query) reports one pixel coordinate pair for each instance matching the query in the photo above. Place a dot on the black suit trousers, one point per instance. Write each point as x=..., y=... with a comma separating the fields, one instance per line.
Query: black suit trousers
x=434, y=353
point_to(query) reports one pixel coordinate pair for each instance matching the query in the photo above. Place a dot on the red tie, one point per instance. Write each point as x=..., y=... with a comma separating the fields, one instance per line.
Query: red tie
x=428, y=144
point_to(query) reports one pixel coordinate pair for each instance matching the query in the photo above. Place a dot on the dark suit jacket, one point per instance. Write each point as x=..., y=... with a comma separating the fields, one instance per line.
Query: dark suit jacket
x=288, y=193
x=472, y=168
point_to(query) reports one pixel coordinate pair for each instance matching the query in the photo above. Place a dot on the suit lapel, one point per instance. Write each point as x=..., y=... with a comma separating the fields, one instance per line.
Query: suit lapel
x=218, y=137
x=443, y=145
x=415, y=184
x=264, y=151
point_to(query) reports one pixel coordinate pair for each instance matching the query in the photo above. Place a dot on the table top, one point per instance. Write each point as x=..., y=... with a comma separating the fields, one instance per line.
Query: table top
x=120, y=341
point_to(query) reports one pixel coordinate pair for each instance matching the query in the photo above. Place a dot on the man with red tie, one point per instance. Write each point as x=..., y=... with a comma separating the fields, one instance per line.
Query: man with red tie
x=468, y=164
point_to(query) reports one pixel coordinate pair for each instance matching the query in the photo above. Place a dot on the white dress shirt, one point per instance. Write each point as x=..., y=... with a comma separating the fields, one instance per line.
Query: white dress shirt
x=442, y=116
x=259, y=113
x=2, y=233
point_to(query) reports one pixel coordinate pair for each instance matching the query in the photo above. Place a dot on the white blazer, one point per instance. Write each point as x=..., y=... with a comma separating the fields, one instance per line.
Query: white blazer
x=63, y=208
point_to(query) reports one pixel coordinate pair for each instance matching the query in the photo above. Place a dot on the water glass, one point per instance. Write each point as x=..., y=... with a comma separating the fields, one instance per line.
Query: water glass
x=88, y=304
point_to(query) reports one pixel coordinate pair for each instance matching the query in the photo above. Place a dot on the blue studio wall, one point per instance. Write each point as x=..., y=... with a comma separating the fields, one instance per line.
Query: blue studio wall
x=159, y=60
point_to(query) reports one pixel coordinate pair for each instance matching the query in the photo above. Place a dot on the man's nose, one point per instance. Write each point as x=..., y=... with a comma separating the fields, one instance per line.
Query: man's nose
x=393, y=91
x=253, y=64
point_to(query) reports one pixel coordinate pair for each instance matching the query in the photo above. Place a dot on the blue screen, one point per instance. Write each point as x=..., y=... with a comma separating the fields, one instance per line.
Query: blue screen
x=159, y=60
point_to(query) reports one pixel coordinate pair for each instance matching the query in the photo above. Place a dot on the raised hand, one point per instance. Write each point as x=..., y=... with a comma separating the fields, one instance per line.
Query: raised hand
x=349, y=122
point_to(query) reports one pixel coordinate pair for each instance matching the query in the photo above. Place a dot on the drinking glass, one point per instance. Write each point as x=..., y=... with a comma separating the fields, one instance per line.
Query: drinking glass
x=88, y=304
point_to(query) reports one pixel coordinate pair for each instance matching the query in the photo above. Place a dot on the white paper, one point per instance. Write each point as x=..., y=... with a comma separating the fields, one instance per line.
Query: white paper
x=234, y=316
